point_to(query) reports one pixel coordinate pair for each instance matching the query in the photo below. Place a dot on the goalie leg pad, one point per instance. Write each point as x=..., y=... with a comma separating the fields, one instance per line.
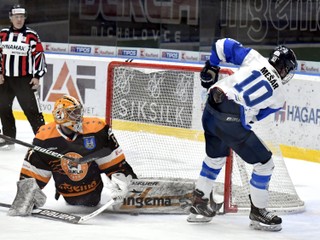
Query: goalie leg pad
x=28, y=195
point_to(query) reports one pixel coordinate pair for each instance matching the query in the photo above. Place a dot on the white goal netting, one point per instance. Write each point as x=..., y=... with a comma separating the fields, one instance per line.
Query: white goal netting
x=155, y=111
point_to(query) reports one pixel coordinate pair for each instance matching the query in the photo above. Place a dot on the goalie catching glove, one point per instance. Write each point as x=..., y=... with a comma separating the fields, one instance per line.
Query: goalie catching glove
x=119, y=186
x=209, y=75
x=29, y=195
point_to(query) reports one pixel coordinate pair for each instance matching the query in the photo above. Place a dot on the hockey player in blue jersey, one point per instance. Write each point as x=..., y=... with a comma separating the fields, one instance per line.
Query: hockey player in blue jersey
x=253, y=92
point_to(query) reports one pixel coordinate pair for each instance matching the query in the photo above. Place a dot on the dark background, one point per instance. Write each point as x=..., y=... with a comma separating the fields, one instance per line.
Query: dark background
x=176, y=24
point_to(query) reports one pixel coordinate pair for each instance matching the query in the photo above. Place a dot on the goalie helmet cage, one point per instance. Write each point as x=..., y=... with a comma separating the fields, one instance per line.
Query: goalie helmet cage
x=155, y=112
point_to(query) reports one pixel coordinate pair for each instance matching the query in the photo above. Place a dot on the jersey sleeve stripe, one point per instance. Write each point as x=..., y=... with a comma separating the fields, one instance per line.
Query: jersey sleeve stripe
x=114, y=161
x=34, y=175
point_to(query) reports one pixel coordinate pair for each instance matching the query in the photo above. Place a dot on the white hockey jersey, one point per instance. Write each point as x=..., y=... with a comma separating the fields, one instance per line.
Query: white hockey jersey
x=256, y=86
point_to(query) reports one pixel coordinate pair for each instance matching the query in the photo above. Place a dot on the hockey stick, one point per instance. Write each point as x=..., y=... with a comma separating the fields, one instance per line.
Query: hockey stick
x=89, y=158
x=65, y=217
x=96, y=212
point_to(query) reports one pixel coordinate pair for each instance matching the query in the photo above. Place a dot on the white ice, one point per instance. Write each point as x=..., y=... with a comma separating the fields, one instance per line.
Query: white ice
x=306, y=225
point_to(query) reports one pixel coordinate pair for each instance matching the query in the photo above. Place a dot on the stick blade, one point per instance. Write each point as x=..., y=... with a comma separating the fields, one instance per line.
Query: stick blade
x=56, y=215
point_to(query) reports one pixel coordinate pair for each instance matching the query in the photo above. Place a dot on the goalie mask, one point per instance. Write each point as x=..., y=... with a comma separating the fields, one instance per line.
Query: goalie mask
x=284, y=61
x=68, y=112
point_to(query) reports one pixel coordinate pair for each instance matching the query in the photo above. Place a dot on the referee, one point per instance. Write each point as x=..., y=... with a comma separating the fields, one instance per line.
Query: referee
x=22, y=64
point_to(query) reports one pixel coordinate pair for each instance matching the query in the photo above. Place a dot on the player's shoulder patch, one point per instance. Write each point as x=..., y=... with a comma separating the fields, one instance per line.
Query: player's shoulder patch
x=47, y=131
x=92, y=125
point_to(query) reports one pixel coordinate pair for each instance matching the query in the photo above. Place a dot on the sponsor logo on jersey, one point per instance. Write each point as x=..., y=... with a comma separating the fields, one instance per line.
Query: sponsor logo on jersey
x=74, y=189
x=74, y=171
x=89, y=142
x=14, y=48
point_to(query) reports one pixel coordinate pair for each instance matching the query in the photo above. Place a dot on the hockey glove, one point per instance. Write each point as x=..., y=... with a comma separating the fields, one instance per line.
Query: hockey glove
x=119, y=188
x=216, y=95
x=29, y=195
x=209, y=75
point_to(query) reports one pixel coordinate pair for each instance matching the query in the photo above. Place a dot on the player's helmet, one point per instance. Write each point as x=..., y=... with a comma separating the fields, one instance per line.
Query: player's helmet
x=17, y=9
x=284, y=61
x=68, y=112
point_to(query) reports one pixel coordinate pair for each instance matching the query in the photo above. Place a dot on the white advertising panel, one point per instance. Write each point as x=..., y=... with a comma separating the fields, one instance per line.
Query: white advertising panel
x=299, y=120
x=80, y=76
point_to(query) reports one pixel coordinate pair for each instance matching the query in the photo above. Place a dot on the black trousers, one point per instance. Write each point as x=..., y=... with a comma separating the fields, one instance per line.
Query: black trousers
x=20, y=88
x=223, y=130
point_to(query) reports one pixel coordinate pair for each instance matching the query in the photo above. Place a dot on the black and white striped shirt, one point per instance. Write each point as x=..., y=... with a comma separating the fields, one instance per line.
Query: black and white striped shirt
x=21, y=53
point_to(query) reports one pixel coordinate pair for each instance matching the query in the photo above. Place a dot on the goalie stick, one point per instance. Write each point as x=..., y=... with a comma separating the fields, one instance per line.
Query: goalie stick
x=89, y=158
x=65, y=217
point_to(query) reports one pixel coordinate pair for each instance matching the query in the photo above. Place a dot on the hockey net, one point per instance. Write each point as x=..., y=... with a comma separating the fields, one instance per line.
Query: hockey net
x=155, y=112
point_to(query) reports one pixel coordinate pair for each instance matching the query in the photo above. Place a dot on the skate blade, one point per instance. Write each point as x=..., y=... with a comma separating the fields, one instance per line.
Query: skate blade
x=197, y=218
x=264, y=227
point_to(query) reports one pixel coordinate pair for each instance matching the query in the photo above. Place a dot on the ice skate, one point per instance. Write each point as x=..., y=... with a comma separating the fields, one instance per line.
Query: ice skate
x=201, y=210
x=261, y=219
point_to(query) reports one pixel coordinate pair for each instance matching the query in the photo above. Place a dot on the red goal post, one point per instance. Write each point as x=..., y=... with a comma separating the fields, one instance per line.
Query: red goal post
x=155, y=111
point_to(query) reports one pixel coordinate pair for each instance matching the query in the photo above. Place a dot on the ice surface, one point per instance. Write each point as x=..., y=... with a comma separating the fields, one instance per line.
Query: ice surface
x=306, y=225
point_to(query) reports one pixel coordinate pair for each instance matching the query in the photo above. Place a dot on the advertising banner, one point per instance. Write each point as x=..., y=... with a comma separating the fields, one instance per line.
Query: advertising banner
x=85, y=77
x=157, y=96
x=299, y=120
x=79, y=76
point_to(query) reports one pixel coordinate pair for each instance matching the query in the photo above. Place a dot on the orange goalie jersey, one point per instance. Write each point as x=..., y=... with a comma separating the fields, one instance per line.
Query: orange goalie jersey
x=79, y=184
